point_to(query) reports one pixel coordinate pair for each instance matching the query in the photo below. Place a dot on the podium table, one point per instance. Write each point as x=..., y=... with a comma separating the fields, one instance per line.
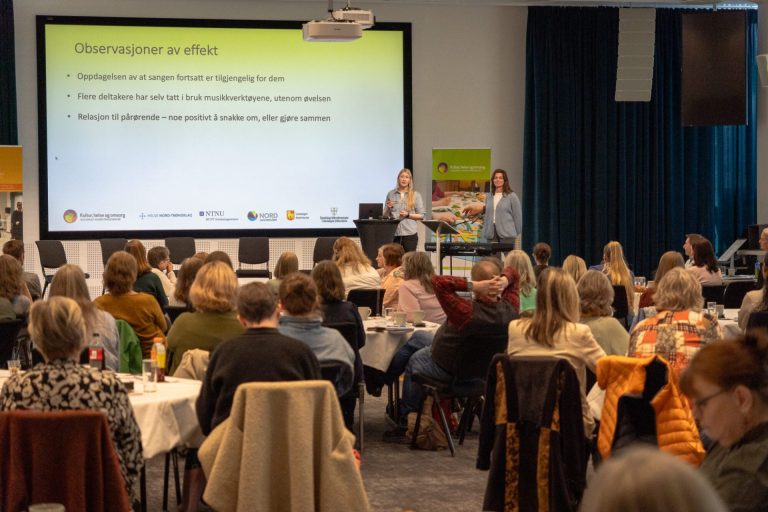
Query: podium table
x=374, y=233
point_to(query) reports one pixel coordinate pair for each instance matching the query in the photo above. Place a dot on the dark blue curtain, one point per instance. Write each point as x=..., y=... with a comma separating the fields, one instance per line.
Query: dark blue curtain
x=595, y=170
x=8, y=128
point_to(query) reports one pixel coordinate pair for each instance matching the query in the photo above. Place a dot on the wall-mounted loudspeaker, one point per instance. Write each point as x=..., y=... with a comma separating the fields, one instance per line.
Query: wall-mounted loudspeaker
x=637, y=41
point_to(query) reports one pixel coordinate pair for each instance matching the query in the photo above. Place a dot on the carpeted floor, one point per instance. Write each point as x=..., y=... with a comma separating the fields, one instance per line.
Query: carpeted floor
x=396, y=477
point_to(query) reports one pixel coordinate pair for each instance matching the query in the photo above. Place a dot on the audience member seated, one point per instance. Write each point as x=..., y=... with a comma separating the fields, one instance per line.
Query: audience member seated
x=160, y=260
x=575, y=267
x=260, y=354
x=520, y=261
x=705, y=267
x=202, y=255
x=615, y=267
x=494, y=304
x=330, y=291
x=756, y=300
x=14, y=295
x=140, y=310
x=187, y=273
x=69, y=281
x=595, y=299
x=302, y=320
x=220, y=256
x=146, y=281
x=60, y=383
x=645, y=479
x=15, y=248
x=680, y=327
x=214, y=320
x=728, y=385
x=668, y=261
x=355, y=267
x=287, y=264
x=416, y=292
x=541, y=254
x=389, y=259
x=553, y=331
x=690, y=240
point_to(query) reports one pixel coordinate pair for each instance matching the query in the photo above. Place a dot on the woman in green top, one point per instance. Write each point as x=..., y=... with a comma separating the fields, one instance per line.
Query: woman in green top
x=213, y=296
x=520, y=261
x=595, y=299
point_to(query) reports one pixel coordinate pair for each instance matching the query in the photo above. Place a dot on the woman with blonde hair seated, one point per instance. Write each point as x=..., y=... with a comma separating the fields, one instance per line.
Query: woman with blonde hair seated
x=213, y=296
x=69, y=281
x=575, y=266
x=668, y=261
x=146, y=280
x=140, y=310
x=416, y=292
x=355, y=267
x=287, y=264
x=520, y=261
x=554, y=331
x=60, y=383
x=595, y=299
x=680, y=327
x=390, y=261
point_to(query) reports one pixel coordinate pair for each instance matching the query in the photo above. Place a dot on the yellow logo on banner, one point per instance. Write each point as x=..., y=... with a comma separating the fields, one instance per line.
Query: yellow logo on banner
x=290, y=214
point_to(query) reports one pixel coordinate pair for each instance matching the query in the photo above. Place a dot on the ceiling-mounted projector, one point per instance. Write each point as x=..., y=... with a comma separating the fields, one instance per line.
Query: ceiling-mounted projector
x=362, y=16
x=332, y=31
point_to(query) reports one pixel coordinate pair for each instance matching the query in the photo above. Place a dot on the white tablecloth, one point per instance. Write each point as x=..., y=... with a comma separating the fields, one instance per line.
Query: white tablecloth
x=167, y=417
x=380, y=347
x=730, y=324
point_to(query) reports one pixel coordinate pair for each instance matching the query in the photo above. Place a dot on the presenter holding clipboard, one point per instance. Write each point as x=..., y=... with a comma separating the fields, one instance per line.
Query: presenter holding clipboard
x=405, y=204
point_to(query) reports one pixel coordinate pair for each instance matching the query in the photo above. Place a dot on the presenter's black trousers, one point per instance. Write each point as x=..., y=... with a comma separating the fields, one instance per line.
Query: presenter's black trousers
x=409, y=242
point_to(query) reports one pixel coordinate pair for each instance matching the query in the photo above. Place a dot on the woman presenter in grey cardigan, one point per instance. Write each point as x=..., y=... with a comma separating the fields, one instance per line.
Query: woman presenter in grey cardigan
x=503, y=215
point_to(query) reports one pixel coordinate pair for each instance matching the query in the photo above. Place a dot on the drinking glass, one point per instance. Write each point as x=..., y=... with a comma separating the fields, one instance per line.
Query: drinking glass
x=149, y=375
x=712, y=309
x=14, y=365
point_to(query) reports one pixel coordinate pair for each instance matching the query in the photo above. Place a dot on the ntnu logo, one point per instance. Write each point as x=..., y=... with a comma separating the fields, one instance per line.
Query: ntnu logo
x=212, y=213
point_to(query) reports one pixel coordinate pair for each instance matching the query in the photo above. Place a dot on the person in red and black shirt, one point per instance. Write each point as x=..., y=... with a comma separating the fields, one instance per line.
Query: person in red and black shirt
x=495, y=303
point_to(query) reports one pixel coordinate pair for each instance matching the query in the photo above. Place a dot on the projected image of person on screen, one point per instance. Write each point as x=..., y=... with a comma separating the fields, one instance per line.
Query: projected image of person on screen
x=405, y=204
x=503, y=214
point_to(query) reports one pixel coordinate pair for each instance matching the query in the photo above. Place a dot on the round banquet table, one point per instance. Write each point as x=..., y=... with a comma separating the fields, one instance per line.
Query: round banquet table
x=381, y=345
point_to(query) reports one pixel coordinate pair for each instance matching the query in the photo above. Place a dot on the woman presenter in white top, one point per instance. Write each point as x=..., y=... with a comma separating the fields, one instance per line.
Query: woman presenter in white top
x=405, y=203
x=503, y=214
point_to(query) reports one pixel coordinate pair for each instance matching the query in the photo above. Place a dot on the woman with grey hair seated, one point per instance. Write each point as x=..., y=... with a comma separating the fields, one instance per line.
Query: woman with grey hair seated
x=645, y=479
x=595, y=299
x=680, y=327
x=58, y=330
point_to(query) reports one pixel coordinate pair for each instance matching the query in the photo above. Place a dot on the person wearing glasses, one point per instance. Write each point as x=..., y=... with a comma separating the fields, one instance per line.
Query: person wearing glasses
x=727, y=383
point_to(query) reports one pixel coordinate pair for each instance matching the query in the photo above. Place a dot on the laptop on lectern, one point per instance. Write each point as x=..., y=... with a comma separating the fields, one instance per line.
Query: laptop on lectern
x=371, y=211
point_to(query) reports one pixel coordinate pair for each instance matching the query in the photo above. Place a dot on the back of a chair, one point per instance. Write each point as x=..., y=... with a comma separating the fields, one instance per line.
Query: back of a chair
x=110, y=246
x=180, y=248
x=52, y=254
x=758, y=320
x=370, y=297
x=9, y=331
x=337, y=373
x=174, y=311
x=253, y=250
x=61, y=457
x=620, y=304
x=735, y=292
x=323, y=248
x=475, y=357
x=349, y=331
x=296, y=429
x=713, y=293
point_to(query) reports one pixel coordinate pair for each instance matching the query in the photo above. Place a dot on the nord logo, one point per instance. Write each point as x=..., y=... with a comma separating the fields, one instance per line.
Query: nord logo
x=270, y=215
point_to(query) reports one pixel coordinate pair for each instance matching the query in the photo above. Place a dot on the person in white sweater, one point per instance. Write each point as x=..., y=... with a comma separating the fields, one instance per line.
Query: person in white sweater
x=355, y=267
x=160, y=260
x=756, y=300
x=554, y=331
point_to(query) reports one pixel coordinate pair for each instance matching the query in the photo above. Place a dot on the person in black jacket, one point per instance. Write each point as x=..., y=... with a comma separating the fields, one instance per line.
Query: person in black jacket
x=261, y=354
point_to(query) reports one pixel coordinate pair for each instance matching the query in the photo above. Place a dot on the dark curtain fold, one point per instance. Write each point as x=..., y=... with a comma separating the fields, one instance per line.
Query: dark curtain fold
x=595, y=170
x=8, y=126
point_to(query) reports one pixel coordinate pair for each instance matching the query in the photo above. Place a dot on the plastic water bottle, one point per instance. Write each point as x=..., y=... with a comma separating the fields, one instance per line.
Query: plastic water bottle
x=158, y=351
x=96, y=353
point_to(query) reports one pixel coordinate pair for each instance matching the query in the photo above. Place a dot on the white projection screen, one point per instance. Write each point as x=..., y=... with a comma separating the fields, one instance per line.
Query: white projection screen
x=209, y=128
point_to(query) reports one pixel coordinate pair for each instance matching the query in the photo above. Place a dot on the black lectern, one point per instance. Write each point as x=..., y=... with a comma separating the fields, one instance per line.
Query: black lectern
x=374, y=233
